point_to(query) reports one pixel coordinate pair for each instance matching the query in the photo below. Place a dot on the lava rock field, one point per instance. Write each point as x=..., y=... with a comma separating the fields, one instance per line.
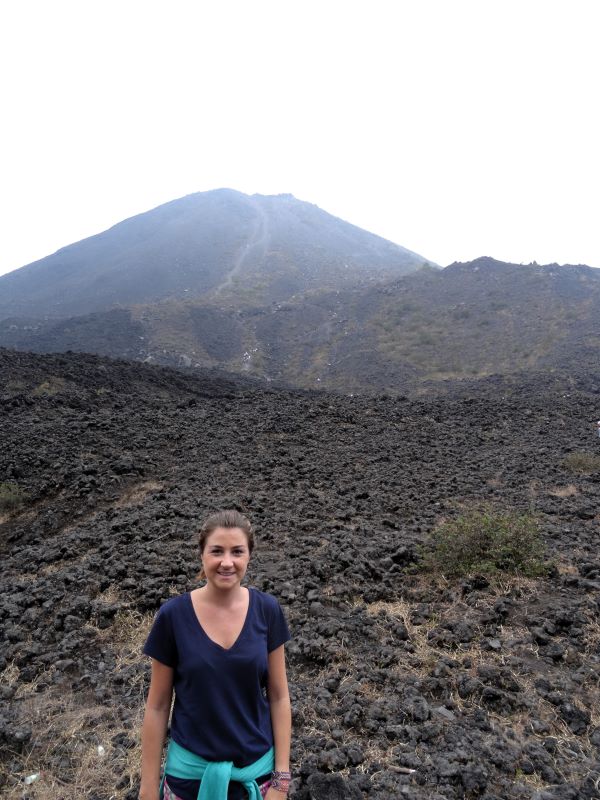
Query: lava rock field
x=404, y=684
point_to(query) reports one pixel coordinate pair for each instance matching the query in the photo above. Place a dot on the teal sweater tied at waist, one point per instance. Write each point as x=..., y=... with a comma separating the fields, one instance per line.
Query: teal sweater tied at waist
x=215, y=775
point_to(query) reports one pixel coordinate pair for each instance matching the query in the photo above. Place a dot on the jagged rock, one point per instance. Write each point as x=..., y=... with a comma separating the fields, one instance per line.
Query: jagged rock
x=332, y=787
x=388, y=668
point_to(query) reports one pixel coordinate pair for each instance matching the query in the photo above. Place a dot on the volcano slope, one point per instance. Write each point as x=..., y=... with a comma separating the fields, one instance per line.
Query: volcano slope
x=485, y=688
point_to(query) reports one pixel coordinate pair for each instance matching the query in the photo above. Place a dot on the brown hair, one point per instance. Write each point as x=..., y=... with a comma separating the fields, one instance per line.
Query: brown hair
x=229, y=518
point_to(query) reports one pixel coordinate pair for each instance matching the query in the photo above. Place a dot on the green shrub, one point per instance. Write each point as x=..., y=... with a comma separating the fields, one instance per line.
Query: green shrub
x=11, y=496
x=582, y=462
x=487, y=541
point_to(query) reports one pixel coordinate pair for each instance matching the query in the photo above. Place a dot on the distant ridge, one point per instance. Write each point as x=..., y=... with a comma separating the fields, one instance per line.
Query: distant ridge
x=430, y=328
x=258, y=248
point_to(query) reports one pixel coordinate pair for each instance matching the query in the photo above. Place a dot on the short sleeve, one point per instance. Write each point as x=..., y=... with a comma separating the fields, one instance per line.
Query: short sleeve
x=160, y=643
x=279, y=633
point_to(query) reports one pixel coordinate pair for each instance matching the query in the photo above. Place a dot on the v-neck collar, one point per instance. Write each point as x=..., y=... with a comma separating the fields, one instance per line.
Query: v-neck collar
x=242, y=629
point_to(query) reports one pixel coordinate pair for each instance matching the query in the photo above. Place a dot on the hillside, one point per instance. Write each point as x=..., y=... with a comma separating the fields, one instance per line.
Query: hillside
x=259, y=248
x=465, y=322
x=405, y=684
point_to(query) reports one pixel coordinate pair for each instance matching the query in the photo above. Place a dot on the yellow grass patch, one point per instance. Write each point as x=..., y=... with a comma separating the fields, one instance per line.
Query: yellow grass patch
x=71, y=752
x=563, y=491
x=138, y=493
x=72, y=755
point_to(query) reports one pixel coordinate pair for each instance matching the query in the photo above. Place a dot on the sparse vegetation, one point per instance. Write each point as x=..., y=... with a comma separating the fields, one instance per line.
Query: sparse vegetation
x=582, y=462
x=490, y=664
x=79, y=747
x=15, y=386
x=488, y=541
x=48, y=388
x=12, y=496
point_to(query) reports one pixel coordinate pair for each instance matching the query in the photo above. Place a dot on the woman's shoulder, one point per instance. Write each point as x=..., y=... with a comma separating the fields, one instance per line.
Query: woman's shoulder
x=174, y=605
x=267, y=608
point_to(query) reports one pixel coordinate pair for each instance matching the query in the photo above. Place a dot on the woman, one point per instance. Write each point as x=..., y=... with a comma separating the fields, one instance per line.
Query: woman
x=219, y=648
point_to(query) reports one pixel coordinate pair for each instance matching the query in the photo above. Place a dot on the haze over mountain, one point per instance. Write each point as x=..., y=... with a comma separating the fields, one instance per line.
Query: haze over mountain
x=277, y=289
x=466, y=322
x=266, y=248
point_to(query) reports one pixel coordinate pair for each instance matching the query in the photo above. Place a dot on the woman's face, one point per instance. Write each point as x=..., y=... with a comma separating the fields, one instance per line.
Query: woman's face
x=225, y=557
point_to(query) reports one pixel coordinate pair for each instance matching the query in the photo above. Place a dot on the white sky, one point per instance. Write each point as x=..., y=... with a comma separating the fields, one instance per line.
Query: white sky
x=456, y=128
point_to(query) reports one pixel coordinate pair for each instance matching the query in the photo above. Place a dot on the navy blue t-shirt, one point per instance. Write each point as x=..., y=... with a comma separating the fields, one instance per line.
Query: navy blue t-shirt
x=221, y=711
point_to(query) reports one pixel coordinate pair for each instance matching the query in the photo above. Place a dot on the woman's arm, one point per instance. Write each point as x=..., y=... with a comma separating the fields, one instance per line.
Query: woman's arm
x=281, y=714
x=154, y=729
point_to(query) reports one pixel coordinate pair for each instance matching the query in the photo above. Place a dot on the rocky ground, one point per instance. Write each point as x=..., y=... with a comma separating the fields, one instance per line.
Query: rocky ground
x=405, y=684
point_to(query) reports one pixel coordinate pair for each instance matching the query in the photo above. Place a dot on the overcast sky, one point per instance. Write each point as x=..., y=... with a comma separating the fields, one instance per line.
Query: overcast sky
x=456, y=128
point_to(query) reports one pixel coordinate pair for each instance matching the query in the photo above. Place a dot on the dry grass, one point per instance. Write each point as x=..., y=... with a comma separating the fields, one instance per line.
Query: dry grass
x=563, y=491
x=566, y=568
x=533, y=781
x=375, y=753
x=72, y=748
x=138, y=493
x=592, y=638
x=72, y=751
x=9, y=676
x=519, y=657
x=50, y=387
x=495, y=482
x=126, y=636
x=502, y=585
x=112, y=594
x=129, y=632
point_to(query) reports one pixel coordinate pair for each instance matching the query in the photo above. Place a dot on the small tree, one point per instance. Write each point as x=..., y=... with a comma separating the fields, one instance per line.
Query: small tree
x=488, y=541
x=11, y=496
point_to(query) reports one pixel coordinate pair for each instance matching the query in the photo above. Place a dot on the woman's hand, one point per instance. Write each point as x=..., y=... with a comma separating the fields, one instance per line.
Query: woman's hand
x=149, y=794
x=274, y=794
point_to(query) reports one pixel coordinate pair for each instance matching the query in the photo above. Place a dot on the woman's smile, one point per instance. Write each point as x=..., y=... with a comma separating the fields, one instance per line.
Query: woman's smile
x=225, y=557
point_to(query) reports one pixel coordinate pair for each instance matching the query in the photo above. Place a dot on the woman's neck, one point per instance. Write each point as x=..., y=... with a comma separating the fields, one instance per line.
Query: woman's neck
x=225, y=598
